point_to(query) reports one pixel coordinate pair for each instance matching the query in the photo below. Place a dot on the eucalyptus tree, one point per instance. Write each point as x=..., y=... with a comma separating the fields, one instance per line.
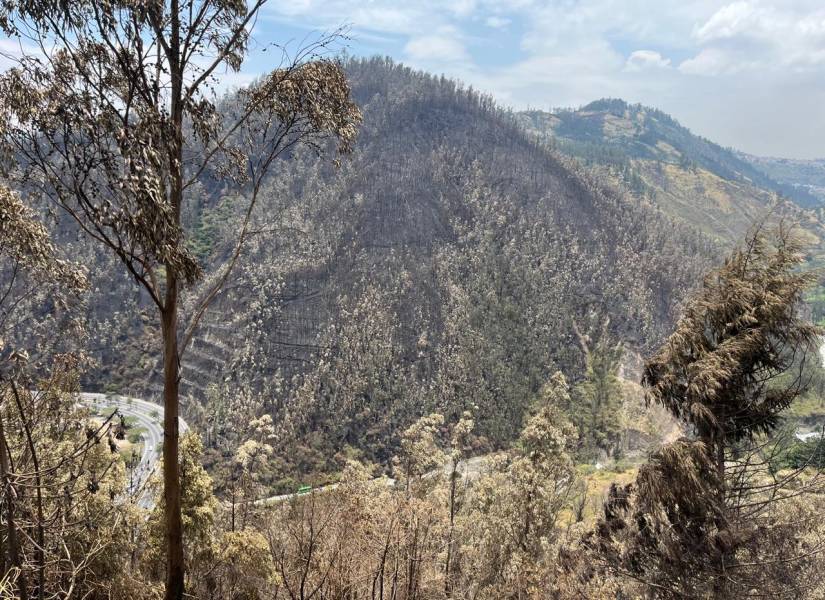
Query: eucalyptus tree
x=513, y=511
x=60, y=532
x=112, y=111
x=30, y=272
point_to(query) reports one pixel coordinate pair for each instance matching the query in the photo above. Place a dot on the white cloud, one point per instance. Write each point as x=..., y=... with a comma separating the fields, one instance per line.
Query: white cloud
x=710, y=62
x=569, y=52
x=386, y=16
x=12, y=49
x=729, y=21
x=462, y=8
x=377, y=15
x=755, y=35
x=497, y=22
x=436, y=49
x=646, y=59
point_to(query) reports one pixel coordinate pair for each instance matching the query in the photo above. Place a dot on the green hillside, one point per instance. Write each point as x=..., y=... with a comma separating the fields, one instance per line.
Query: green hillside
x=718, y=191
x=711, y=188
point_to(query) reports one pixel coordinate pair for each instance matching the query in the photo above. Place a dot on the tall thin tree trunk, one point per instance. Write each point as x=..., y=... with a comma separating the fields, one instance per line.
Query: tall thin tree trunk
x=171, y=357
x=726, y=557
x=11, y=534
x=40, y=559
x=450, y=532
x=171, y=435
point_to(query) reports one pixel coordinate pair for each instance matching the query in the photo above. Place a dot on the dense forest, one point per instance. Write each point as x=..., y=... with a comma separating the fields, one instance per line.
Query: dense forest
x=401, y=342
x=446, y=264
x=719, y=192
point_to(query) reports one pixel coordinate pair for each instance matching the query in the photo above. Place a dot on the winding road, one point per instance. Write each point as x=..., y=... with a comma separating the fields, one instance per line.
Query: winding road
x=148, y=416
x=468, y=470
x=805, y=434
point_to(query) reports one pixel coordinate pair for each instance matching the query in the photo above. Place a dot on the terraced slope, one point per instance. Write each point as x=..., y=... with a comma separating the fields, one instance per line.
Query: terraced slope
x=445, y=263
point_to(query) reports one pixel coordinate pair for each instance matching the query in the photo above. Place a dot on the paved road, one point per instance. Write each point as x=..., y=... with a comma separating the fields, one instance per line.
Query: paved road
x=469, y=469
x=149, y=416
x=808, y=435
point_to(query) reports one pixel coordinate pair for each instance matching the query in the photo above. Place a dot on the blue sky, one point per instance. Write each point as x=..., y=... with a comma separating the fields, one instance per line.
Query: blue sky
x=749, y=73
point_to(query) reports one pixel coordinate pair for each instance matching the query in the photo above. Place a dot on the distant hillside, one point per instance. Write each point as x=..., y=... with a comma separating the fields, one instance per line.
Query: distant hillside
x=807, y=175
x=711, y=188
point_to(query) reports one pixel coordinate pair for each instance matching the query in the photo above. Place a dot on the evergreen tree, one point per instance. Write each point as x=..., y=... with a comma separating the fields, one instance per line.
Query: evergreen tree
x=704, y=516
x=597, y=400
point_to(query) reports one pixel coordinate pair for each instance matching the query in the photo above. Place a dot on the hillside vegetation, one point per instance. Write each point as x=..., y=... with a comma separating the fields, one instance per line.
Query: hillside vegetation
x=451, y=362
x=711, y=188
x=445, y=266
x=808, y=175
x=402, y=343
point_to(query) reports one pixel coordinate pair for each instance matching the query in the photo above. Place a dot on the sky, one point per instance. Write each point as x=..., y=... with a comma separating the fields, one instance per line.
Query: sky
x=748, y=74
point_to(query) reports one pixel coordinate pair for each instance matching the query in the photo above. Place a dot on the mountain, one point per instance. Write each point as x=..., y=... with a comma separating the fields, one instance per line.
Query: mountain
x=453, y=262
x=806, y=175
x=714, y=189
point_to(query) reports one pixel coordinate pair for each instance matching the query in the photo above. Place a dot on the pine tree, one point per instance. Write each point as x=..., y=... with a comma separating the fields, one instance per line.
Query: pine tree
x=703, y=518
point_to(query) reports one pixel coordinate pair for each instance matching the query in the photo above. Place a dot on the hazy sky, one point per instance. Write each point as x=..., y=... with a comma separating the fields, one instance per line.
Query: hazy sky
x=749, y=74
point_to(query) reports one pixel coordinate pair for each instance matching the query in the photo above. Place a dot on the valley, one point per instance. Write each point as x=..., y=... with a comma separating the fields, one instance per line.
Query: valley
x=414, y=339
x=718, y=190
x=380, y=269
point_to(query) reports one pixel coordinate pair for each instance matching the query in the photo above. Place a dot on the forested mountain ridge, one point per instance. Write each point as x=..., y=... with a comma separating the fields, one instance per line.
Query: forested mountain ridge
x=689, y=177
x=444, y=266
